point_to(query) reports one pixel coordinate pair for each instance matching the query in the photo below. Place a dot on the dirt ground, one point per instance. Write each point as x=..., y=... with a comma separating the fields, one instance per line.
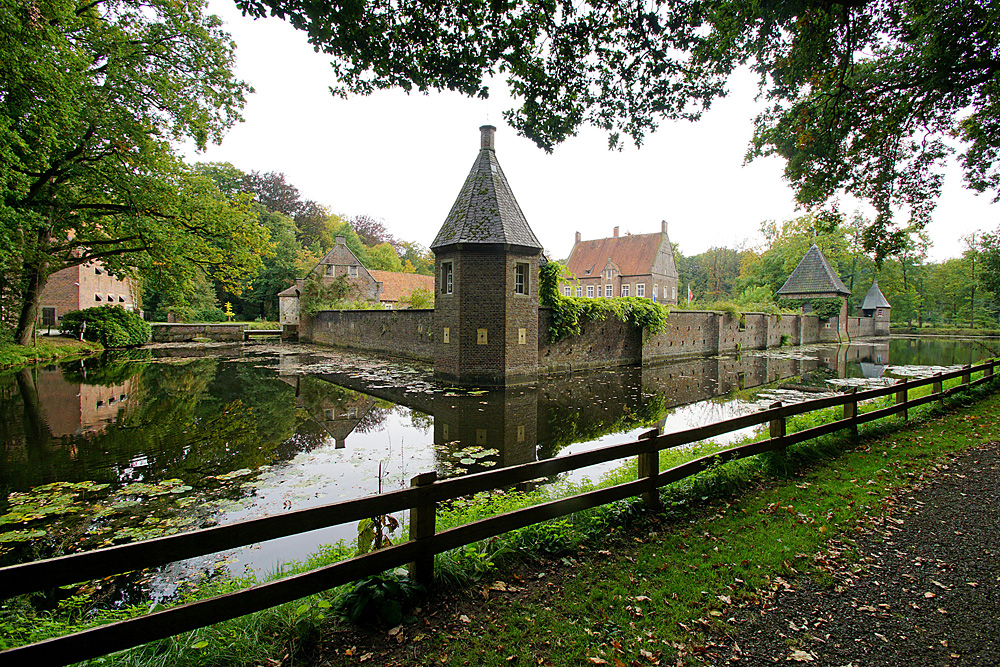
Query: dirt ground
x=925, y=591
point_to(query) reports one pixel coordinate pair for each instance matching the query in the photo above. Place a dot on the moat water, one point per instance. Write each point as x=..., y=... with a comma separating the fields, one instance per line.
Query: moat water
x=130, y=446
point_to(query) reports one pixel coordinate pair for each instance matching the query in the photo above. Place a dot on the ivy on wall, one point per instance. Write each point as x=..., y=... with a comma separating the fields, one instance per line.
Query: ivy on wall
x=824, y=308
x=569, y=313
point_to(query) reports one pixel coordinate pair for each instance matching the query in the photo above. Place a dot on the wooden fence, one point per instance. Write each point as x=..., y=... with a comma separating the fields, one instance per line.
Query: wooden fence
x=420, y=500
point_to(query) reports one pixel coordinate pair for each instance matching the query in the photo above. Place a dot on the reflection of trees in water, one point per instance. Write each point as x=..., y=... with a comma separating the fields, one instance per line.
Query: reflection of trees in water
x=183, y=420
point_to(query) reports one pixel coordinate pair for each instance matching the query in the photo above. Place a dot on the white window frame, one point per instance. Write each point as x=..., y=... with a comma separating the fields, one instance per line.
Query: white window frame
x=609, y=290
x=567, y=291
x=590, y=291
x=352, y=271
x=626, y=289
x=579, y=290
x=600, y=294
x=521, y=278
x=640, y=289
x=448, y=277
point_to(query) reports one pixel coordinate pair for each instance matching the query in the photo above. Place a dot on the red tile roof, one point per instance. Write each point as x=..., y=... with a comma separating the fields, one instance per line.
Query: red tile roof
x=633, y=254
x=396, y=286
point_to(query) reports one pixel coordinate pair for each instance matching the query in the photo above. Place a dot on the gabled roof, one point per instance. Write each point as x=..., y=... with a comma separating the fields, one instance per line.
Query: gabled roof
x=814, y=275
x=633, y=254
x=293, y=290
x=395, y=285
x=486, y=210
x=874, y=299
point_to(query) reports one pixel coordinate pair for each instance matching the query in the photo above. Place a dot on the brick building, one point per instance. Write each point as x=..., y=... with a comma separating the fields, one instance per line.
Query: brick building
x=814, y=278
x=386, y=287
x=486, y=262
x=80, y=287
x=631, y=265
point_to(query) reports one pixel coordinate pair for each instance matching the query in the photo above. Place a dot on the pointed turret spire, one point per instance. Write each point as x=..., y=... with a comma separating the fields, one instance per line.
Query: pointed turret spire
x=486, y=210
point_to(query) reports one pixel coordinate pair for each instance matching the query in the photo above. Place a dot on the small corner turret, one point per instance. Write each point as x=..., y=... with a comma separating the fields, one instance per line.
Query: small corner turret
x=486, y=260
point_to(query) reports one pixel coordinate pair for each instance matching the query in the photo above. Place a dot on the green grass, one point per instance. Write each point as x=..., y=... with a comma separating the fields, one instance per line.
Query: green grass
x=48, y=348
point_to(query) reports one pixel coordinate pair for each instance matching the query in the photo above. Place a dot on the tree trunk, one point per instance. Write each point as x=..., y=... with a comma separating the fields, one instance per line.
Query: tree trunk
x=36, y=275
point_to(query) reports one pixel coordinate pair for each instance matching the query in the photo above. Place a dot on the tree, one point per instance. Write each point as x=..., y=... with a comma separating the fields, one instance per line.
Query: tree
x=372, y=231
x=273, y=192
x=383, y=257
x=93, y=93
x=862, y=93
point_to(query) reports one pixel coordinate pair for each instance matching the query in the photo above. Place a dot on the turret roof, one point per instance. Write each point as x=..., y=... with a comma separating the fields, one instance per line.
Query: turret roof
x=814, y=275
x=486, y=210
x=874, y=298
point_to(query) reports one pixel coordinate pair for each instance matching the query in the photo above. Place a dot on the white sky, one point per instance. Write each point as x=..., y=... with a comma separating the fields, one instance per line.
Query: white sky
x=404, y=158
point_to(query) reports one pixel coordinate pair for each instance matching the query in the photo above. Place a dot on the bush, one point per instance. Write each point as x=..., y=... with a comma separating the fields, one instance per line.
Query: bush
x=111, y=326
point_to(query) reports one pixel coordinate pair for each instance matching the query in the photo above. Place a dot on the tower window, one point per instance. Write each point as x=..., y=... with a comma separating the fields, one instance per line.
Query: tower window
x=447, y=277
x=520, y=278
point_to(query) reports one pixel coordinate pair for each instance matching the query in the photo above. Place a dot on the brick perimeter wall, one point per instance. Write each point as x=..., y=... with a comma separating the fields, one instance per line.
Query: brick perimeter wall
x=691, y=334
x=402, y=333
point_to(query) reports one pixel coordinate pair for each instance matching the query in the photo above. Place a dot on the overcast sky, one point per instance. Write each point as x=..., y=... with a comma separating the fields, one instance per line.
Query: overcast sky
x=404, y=158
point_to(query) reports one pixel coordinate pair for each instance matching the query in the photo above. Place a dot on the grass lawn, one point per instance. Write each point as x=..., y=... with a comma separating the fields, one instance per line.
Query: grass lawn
x=48, y=348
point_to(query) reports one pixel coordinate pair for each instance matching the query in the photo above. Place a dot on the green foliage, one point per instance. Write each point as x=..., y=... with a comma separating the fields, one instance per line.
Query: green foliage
x=111, y=326
x=419, y=298
x=383, y=257
x=95, y=97
x=381, y=598
x=569, y=313
x=824, y=308
x=320, y=294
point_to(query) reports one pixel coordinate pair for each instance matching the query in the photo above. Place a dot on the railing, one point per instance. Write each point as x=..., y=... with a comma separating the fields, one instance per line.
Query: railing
x=421, y=500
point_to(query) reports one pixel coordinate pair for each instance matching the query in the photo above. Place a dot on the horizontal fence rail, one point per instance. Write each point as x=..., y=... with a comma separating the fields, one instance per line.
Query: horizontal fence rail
x=421, y=500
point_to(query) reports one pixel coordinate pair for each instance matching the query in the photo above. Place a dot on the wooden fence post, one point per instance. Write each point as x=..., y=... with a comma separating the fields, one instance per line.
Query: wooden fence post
x=423, y=520
x=901, y=400
x=851, y=411
x=777, y=425
x=648, y=468
x=967, y=375
x=989, y=368
x=938, y=387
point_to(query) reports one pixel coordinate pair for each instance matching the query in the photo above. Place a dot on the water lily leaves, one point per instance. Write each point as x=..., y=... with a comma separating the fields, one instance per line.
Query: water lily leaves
x=21, y=535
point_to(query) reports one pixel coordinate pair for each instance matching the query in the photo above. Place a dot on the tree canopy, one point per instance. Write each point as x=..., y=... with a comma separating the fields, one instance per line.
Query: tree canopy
x=94, y=96
x=863, y=95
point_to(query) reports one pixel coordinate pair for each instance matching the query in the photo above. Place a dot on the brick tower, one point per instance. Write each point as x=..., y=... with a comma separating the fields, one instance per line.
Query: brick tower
x=486, y=282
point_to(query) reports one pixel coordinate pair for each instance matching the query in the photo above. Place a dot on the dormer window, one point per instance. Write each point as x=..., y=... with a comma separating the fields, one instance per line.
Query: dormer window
x=352, y=271
x=609, y=274
x=97, y=297
x=97, y=271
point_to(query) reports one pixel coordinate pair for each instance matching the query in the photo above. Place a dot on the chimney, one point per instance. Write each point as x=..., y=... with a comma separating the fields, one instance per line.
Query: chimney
x=578, y=237
x=616, y=231
x=341, y=240
x=486, y=132
x=663, y=226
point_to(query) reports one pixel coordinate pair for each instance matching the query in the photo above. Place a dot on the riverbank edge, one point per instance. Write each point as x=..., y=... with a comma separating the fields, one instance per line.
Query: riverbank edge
x=46, y=349
x=950, y=332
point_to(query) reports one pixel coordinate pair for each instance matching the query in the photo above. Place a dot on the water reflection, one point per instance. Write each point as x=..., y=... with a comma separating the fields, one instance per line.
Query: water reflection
x=191, y=439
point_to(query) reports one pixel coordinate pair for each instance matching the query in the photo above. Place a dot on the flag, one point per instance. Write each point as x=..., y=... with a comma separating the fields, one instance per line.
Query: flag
x=690, y=294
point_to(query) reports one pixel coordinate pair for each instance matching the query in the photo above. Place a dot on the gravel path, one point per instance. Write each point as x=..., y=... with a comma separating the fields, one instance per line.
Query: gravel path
x=925, y=590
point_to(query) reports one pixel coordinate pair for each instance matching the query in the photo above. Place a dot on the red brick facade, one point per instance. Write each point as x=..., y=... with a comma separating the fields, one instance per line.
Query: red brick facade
x=80, y=287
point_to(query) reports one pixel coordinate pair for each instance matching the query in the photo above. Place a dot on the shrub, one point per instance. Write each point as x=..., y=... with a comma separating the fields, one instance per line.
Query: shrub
x=111, y=326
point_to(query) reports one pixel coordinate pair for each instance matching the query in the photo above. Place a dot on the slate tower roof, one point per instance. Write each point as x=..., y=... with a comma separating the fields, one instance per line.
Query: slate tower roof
x=814, y=275
x=486, y=211
x=874, y=298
